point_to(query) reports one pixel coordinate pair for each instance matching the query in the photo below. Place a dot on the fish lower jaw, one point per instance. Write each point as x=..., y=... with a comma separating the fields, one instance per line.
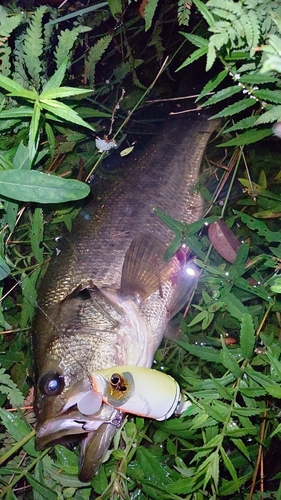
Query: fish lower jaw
x=63, y=427
x=57, y=430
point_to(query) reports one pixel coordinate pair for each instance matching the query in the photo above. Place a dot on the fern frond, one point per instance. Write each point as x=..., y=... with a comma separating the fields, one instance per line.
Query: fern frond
x=255, y=29
x=19, y=73
x=33, y=46
x=184, y=10
x=149, y=12
x=66, y=40
x=121, y=71
x=94, y=56
x=8, y=23
x=5, y=52
x=9, y=388
x=7, y=26
x=217, y=41
x=48, y=29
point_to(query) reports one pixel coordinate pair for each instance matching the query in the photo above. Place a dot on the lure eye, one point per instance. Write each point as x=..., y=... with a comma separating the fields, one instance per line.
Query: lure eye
x=117, y=382
x=51, y=383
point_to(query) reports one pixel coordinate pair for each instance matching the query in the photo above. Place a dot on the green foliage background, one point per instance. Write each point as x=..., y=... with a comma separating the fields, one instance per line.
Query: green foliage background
x=61, y=74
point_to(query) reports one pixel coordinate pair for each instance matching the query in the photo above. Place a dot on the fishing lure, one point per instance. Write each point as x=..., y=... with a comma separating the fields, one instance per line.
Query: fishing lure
x=132, y=389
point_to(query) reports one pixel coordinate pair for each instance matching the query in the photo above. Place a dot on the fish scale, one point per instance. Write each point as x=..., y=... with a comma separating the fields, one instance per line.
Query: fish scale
x=107, y=298
x=160, y=177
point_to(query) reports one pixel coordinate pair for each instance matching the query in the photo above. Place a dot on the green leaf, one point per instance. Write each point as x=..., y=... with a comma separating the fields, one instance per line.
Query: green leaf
x=59, y=92
x=65, y=112
x=268, y=95
x=51, y=139
x=273, y=115
x=248, y=412
x=212, y=83
x=11, y=210
x=247, y=336
x=152, y=468
x=41, y=488
x=94, y=56
x=271, y=387
x=230, y=487
x=33, y=46
x=194, y=56
x=234, y=306
x=66, y=40
x=34, y=131
x=221, y=95
x=29, y=298
x=57, y=78
x=36, y=235
x=16, y=89
x=260, y=227
x=205, y=11
x=21, y=159
x=9, y=388
x=223, y=391
x=18, y=429
x=19, y=112
x=243, y=124
x=116, y=7
x=275, y=365
x=199, y=41
x=248, y=137
x=9, y=22
x=236, y=108
x=40, y=188
x=257, y=79
x=149, y=12
x=206, y=353
x=229, y=362
x=4, y=269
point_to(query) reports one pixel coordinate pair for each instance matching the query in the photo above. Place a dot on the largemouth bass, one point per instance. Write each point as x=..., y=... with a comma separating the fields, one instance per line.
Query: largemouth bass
x=107, y=298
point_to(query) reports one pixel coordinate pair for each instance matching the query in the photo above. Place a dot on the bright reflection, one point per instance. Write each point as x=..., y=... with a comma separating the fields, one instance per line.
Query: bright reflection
x=190, y=271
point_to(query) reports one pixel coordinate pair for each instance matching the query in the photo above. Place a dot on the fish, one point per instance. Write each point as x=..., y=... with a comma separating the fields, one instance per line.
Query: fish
x=108, y=296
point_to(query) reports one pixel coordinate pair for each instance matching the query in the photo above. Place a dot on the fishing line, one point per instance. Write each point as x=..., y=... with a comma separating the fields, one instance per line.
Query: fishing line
x=36, y=305
x=67, y=350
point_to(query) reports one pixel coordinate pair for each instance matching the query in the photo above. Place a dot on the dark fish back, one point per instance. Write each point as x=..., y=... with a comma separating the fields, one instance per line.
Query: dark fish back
x=160, y=177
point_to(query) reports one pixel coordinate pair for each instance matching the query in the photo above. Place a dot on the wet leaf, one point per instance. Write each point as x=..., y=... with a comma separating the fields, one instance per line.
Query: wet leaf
x=18, y=428
x=36, y=235
x=247, y=336
x=39, y=187
x=229, y=361
x=42, y=489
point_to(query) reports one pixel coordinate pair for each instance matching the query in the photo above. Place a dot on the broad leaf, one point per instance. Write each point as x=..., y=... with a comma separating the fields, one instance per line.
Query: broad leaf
x=40, y=188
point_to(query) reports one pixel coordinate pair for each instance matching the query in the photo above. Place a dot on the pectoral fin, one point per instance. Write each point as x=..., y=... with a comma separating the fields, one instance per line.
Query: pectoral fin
x=145, y=270
x=186, y=282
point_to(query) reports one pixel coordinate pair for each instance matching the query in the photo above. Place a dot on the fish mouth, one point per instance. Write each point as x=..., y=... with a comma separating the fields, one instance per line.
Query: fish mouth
x=94, y=431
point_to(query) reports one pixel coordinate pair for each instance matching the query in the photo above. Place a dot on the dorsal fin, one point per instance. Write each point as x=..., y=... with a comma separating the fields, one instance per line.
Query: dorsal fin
x=145, y=270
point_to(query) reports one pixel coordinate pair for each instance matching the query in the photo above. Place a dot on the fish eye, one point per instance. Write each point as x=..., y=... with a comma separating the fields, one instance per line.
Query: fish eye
x=51, y=383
